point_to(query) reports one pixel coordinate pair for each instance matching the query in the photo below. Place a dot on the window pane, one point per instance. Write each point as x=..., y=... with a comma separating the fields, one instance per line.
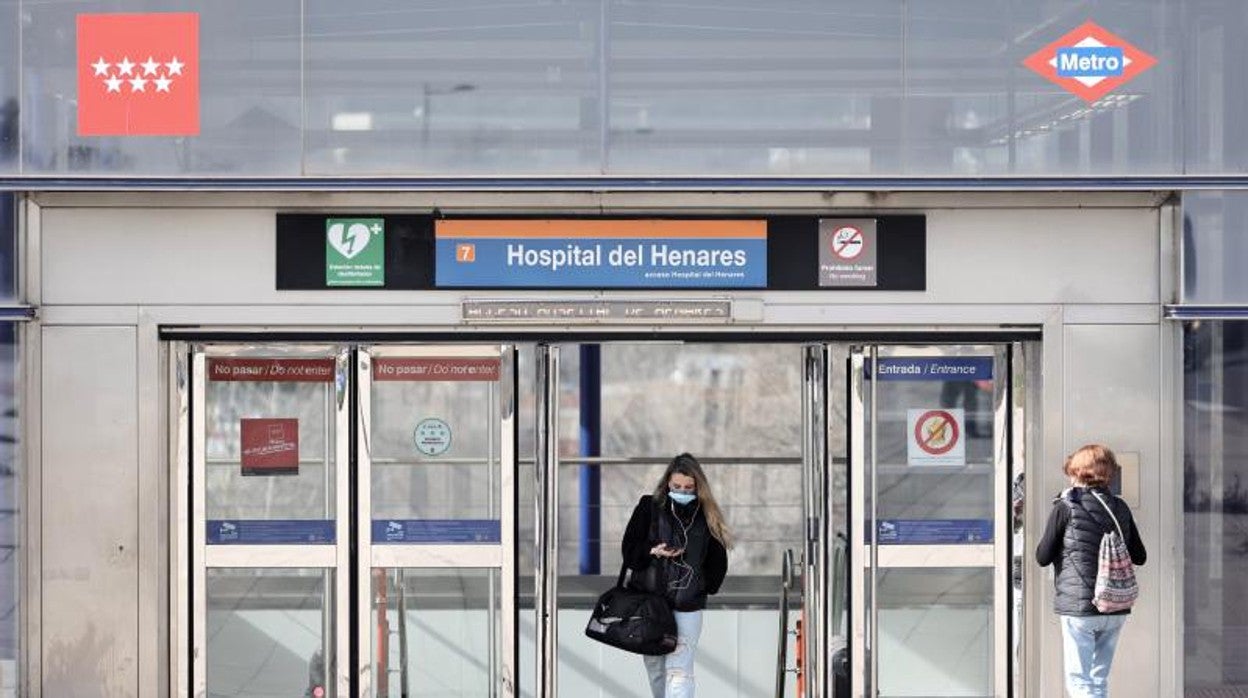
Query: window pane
x=1214, y=247
x=267, y=632
x=10, y=509
x=452, y=88
x=249, y=101
x=1215, y=505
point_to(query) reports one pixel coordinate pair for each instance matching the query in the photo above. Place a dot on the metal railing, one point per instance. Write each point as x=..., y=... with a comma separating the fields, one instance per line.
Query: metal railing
x=782, y=642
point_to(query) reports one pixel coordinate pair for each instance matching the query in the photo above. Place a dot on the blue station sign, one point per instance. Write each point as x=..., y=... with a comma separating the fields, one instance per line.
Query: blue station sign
x=600, y=253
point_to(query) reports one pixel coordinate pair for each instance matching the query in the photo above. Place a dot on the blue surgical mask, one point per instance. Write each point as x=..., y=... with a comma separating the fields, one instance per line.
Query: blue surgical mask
x=682, y=497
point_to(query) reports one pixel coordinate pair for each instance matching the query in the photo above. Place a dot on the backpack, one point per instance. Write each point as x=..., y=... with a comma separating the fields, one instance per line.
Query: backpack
x=1116, y=588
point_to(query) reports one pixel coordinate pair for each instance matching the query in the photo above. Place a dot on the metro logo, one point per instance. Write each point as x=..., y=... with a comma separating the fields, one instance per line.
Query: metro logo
x=138, y=74
x=1090, y=62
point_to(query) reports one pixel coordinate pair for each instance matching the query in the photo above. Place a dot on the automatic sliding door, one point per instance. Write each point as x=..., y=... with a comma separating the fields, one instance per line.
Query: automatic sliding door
x=436, y=504
x=929, y=479
x=269, y=535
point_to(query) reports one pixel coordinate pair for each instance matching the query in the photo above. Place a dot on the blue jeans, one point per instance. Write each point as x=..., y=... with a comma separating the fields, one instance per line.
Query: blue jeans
x=671, y=675
x=1088, y=644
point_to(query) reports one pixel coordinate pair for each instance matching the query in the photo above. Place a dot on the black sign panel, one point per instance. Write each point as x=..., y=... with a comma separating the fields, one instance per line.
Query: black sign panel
x=793, y=252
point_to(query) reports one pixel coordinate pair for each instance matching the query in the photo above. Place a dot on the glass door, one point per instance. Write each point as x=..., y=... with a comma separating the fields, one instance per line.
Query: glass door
x=436, y=494
x=929, y=478
x=350, y=522
x=270, y=541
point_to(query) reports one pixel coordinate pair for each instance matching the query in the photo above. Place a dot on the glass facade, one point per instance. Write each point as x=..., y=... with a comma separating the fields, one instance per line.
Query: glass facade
x=1215, y=505
x=630, y=87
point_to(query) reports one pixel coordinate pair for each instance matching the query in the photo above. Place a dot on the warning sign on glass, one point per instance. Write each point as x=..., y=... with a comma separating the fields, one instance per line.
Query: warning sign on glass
x=436, y=369
x=272, y=370
x=847, y=252
x=270, y=446
x=935, y=437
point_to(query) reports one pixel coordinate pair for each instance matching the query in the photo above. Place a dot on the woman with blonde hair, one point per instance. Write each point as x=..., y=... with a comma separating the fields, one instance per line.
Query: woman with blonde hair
x=677, y=539
x=1082, y=514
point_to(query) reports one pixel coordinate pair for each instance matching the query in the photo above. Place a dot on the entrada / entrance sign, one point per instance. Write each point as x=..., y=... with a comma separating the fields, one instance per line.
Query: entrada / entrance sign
x=603, y=253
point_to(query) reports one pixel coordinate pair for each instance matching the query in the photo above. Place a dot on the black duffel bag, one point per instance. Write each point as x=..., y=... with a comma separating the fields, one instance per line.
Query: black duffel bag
x=634, y=621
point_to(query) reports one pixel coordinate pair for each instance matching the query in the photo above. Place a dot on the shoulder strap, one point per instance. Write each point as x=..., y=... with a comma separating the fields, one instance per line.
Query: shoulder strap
x=1111, y=514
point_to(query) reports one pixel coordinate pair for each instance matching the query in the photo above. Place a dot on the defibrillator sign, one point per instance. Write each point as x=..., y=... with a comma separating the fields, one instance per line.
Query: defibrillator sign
x=935, y=437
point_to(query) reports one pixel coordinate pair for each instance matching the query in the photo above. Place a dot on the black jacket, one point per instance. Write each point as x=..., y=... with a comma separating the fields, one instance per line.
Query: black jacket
x=1072, y=542
x=637, y=544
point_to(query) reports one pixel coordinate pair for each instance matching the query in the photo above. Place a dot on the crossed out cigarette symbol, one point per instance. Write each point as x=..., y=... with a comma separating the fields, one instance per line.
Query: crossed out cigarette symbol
x=936, y=432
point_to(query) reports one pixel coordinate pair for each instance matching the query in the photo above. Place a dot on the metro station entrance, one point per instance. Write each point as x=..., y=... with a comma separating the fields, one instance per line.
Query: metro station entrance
x=436, y=520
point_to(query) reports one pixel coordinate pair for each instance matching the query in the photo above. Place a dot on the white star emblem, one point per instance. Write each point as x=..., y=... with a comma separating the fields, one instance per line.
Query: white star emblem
x=101, y=67
x=136, y=84
x=175, y=66
x=149, y=67
x=114, y=84
x=162, y=84
x=125, y=66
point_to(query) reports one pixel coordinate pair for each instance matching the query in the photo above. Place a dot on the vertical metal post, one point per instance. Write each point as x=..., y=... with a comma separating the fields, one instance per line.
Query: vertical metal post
x=857, y=502
x=872, y=489
x=1001, y=521
x=546, y=601
x=591, y=446
x=814, y=486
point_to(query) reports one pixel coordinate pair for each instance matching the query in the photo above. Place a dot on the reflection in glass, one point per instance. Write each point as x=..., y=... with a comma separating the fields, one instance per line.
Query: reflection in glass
x=458, y=483
x=433, y=632
x=270, y=633
x=937, y=624
x=307, y=494
x=934, y=492
x=10, y=524
x=1215, y=506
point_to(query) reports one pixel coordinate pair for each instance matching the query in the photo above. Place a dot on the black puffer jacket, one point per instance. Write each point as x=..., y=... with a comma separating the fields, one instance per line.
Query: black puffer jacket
x=1072, y=543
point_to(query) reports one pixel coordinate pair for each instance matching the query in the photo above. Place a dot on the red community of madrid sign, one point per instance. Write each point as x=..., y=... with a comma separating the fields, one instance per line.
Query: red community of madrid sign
x=1090, y=62
x=138, y=74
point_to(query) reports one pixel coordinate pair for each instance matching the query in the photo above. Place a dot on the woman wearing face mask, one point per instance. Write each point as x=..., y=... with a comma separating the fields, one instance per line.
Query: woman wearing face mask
x=678, y=532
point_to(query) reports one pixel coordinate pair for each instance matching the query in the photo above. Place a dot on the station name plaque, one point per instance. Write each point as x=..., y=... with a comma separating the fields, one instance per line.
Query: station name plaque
x=598, y=311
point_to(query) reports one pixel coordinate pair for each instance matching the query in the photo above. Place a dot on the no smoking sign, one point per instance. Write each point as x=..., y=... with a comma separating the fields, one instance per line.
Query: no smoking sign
x=848, y=242
x=935, y=437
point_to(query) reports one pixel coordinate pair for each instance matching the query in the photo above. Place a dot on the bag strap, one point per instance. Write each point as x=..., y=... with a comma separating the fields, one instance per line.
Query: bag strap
x=1111, y=515
x=619, y=581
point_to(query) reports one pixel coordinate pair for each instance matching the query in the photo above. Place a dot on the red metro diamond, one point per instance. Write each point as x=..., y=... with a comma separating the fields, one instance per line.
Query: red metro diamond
x=1090, y=61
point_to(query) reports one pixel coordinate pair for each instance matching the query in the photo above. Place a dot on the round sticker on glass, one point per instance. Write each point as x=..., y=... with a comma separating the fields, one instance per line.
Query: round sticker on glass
x=432, y=436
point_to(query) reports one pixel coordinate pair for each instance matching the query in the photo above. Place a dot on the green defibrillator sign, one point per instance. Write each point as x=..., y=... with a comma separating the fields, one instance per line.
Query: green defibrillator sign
x=355, y=252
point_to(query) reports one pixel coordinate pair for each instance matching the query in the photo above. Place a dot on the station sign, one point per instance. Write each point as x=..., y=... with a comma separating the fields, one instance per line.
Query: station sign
x=366, y=252
x=600, y=253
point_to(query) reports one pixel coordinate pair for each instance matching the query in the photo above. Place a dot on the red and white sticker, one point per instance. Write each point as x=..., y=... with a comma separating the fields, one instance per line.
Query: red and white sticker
x=269, y=446
x=935, y=436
